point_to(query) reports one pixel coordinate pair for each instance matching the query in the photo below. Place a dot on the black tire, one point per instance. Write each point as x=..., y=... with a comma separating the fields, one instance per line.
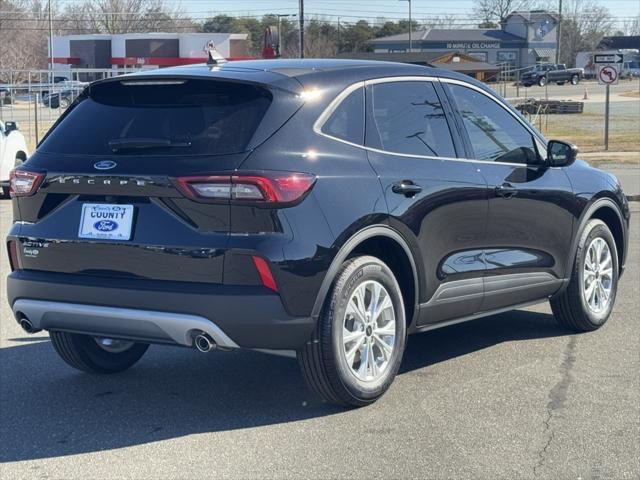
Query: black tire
x=575, y=79
x=542, y=81
x=560, y=83
x=570, y=307
x=322, y=360
x=527, y=84
x=64, y=103
x=83, y=353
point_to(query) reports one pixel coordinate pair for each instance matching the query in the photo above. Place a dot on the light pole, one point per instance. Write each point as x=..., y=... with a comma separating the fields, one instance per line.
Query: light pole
x=301, y=23
x=559, y=32
x=410, y=25
x=50, y=40
x=280, y=36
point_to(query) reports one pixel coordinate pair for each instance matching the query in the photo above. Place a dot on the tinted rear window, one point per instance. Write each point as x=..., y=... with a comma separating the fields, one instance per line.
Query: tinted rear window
x=195, y=116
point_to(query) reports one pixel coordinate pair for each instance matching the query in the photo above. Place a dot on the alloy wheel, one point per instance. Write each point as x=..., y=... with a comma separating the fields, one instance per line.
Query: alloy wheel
x=597, y=284
x=369, y=331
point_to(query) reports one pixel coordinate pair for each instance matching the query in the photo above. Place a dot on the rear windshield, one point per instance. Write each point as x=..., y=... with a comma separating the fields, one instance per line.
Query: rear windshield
x=170, y=117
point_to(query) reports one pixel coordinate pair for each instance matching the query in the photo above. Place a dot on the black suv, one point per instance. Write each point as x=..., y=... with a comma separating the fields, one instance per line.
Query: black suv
x=318, y=207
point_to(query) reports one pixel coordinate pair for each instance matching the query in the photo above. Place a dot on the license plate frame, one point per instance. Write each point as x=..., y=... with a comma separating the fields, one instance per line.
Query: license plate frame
x=106, y=221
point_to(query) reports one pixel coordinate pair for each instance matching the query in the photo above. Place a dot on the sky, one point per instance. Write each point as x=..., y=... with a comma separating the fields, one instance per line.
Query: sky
x=351, y=10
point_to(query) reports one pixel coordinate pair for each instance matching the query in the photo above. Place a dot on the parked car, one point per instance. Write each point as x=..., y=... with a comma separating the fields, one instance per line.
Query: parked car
x=5, y=96
x=558, y=73
x=631, y=68
x=59, y=99
x=321, y=208
x=13, y=152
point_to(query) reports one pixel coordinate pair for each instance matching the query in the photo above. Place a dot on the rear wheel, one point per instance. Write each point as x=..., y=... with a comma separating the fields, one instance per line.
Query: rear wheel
x=96, y=354
x=542, y=81
x=357, y=347
x=575, y=79
x=587, y=302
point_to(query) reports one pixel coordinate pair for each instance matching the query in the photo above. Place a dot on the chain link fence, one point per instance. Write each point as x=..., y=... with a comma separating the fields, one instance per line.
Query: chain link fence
x=35, y=99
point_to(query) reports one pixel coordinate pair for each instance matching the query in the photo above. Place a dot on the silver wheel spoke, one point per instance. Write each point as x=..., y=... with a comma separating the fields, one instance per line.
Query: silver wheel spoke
x=386, y=303
x=349, y=336
x=384, y=346
x=606, y=273
x=351, y=354
x=353, y=309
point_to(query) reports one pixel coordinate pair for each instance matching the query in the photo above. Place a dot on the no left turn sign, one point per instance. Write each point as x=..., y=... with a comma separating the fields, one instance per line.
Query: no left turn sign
x=607, y=75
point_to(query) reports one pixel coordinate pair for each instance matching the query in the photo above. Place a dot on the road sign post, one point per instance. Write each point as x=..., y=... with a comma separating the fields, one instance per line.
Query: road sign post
x=606, y=118
x=607, y=75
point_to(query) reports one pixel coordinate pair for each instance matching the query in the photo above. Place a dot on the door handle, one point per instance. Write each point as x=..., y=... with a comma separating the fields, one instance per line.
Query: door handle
x=506, y=190
x=406, y=188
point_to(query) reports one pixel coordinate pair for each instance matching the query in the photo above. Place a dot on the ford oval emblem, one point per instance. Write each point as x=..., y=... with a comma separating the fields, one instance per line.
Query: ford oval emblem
x=105, y=225
x=104, y=165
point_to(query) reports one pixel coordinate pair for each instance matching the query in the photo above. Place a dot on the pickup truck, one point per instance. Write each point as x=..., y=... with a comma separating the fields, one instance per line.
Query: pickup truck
x=548, y=72
x=13, y=151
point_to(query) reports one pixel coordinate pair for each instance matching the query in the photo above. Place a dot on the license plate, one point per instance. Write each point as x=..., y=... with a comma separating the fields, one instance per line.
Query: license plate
x=106, y=222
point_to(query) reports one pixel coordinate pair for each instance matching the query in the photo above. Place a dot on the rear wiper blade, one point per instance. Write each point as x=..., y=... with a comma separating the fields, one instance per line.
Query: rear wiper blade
x=141, y=143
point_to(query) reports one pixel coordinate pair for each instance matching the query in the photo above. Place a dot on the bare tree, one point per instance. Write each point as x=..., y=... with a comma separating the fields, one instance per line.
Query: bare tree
x=631, y=26
x=131, y=16
x=584, y=24
x=490, y=11
x=21, y=44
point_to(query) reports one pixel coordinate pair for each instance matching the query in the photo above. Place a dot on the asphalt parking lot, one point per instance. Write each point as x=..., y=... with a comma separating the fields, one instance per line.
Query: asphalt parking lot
x=508, y=396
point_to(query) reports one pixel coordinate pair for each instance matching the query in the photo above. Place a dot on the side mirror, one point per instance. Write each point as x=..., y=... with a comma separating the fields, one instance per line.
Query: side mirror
x=10, y=127
x=561, y=154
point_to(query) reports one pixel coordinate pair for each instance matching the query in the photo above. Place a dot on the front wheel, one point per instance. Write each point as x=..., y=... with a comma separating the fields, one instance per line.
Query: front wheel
x=542, y=81
x=587, y=302
x=575, y=79
x=359, y=341
x=96, y=354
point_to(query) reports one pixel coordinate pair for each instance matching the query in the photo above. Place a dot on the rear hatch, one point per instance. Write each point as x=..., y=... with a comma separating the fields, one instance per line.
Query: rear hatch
x=107, y=198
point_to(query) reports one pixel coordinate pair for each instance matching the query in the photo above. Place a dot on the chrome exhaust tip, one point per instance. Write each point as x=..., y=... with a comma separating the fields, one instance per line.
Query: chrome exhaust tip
x=205, y=343
x=27, y=326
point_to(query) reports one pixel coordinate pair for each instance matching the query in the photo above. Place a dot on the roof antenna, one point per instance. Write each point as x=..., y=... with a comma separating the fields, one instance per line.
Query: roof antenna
x=215, y=58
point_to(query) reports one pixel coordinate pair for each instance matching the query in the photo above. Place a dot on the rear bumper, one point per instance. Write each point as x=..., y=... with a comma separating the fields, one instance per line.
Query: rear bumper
x=157, y=311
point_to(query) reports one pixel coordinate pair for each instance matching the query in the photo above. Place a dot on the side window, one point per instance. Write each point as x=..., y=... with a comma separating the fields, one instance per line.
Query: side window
x=494, y=133
x=409, y=119
x=347, y=120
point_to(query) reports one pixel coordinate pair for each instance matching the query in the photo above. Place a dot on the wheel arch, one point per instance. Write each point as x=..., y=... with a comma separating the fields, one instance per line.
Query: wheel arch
x=390, y=246
x=609, y=212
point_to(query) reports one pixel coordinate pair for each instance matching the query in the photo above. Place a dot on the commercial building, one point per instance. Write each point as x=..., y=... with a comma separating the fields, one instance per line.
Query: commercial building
x=524, y=39
x=141, y=50
x=455, y=61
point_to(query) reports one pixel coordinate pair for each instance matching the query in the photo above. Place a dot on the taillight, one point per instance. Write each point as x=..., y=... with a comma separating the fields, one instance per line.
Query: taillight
x=23, y=183
x=14, y=259
x=265, y=187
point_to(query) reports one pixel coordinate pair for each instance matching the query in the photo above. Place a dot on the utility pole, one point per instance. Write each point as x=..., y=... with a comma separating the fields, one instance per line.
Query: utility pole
x=559, y=32
x=50, y=42
x=301, y=23
x=410, y=26
x=280, y=35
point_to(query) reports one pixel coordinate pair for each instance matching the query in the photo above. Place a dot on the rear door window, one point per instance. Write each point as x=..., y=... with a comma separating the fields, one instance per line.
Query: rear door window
x=171, y=117
x=409, y=118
